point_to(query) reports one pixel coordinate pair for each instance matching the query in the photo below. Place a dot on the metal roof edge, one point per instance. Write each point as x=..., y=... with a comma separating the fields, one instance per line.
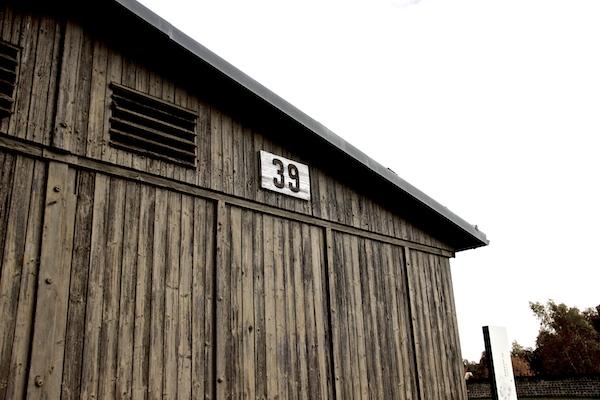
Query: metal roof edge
x=276, y=101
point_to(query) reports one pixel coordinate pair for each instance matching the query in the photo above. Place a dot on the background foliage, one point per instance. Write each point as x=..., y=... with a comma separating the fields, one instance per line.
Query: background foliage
x=568, y=344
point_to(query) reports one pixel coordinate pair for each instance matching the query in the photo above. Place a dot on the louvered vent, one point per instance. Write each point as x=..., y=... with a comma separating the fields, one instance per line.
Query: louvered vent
x=9, y=63
x=146, y=125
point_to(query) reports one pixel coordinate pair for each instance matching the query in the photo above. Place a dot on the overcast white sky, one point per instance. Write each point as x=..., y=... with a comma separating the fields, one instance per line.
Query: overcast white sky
x=490, y=107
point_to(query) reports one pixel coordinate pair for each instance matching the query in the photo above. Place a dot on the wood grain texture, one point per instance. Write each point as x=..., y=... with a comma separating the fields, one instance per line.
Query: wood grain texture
x=15, y=207
x=222, y=299
x=80, y=73
x=49, y=328
x=202, y=317
x=169, y=282
x=247, y=325
x=38, y=37
x=31, y=256
x=64, y=124
x=171, y=311
x=276, y=324
x=48, y=154
x=94, y=300
x=143, y=294
x=438, y=355
x=302, y=311
x=27, y=41
x=127, y=300
x=371, y=334
x=21, y=207
x=103, y=297
x=108, y=360
x=96, y=139
x=78, y=291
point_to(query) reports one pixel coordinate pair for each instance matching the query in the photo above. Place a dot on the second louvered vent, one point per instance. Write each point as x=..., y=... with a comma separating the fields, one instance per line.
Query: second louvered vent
x=153, y=127
x=9, y=62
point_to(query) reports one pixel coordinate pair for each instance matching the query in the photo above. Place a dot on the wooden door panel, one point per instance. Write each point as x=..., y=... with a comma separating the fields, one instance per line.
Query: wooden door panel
x=372, y=343
x=274, y=316
x=124, y=275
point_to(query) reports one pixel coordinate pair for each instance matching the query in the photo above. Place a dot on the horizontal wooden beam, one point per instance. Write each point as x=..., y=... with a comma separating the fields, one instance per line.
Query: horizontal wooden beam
x=12, y=144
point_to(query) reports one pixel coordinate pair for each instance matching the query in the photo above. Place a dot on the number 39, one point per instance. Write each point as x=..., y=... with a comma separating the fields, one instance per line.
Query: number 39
x=292, y=173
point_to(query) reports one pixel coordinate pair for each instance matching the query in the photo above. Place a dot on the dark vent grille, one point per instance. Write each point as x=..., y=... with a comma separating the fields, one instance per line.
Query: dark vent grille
x=152, y=127
x=9, y=62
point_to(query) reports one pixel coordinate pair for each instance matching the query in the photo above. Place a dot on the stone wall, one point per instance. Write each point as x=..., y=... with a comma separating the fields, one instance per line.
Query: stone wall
x=540, y=388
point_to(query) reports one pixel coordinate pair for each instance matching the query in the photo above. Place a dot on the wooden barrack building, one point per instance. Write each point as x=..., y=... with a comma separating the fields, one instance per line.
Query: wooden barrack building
x=169, y=228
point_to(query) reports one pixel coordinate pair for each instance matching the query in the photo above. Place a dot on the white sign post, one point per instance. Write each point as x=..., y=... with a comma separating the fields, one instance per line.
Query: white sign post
x=497, y=349
x=283, y=175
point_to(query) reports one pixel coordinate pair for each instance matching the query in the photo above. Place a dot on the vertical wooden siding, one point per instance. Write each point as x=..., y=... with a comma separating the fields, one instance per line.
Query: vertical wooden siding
x=139, y=285
x=273, y=307
x=139, y=317
x=439, y=361
x=75, y=83
x=39, y=39
x=146, y=259
x=372, y=343
x=22, y=194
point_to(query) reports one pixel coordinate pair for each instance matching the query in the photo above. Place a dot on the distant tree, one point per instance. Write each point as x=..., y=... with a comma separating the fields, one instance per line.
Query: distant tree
x=521, y=360
x=568, y=343
x=521, y=367
x=593, y=317
x=519, y=351
x=479, y=369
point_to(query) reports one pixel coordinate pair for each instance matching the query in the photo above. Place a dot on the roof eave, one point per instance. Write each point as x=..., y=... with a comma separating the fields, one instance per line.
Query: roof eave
x=477, y=237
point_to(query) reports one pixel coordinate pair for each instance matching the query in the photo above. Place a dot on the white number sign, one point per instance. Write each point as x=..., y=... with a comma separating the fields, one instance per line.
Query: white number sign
x=283, y=175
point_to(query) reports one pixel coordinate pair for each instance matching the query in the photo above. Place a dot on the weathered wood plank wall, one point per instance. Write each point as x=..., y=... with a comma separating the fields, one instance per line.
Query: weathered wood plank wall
x=39, y=39
x=438, y=357
x=47, y=354
x=272, y=301
x=137, y=316
x=298, y=312
x=155, y=290
x=227, y=148
x=22, y=196
x=371, y=320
